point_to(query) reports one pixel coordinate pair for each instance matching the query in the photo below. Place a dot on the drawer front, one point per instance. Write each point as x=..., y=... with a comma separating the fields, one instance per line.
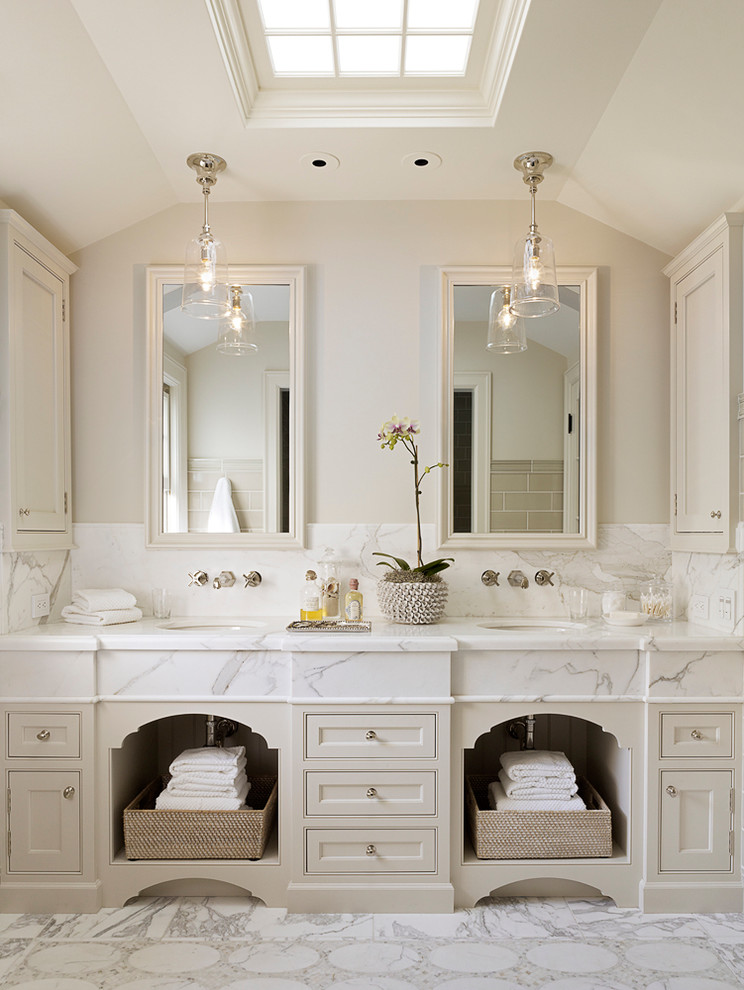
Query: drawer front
x=690, y=735
x=371, y=850
x=371, y=737
x=370, y=792
x=37, y=734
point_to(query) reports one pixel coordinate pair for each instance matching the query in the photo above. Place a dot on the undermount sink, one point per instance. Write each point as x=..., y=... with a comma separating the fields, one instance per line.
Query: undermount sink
x=534, y=625
x=211, y=625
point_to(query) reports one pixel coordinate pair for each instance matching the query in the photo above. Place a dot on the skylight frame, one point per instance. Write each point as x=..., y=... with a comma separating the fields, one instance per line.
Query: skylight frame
x=401, y=31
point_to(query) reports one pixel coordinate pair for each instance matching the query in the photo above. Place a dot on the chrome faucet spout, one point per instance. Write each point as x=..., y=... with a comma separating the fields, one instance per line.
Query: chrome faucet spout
x=517, y=579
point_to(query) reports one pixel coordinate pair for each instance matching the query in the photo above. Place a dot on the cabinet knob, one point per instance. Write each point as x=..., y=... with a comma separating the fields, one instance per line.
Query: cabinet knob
x=68, y=792
x=43, y=735
x=24, y=512
x=671, y=791
x=370, y=734
x=371, y=850
x=371, y=792
x=696, y=734
x=716, y=514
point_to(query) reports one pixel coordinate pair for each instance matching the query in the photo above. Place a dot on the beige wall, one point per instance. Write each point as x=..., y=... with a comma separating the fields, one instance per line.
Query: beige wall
x=372, y=344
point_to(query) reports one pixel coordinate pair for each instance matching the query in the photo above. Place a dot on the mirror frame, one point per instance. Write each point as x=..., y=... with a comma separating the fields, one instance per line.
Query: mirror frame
x=294, y=277
x=586, y=279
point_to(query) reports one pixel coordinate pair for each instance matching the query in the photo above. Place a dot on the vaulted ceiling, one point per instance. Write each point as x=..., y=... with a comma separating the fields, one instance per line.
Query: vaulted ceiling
x=639, y=102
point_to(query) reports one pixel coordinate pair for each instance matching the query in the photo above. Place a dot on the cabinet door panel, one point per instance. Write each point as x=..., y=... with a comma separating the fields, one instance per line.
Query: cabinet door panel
x=695, y=818
x=39, y=397
x=701, y=391
x=44, y=821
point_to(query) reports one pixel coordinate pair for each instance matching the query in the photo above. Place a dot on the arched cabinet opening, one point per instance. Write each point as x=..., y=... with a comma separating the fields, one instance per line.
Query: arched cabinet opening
x=536, y=847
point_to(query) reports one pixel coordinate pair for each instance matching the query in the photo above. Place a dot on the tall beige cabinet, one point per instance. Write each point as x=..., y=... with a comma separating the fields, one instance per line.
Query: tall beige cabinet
x=35, y=509
x=706, y=379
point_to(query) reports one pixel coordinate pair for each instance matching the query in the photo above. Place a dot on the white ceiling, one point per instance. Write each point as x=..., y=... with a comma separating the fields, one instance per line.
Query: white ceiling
x=639, y=101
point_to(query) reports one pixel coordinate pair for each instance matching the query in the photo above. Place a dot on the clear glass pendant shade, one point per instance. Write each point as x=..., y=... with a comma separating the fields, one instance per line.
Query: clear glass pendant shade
x=237, y=335
x=506, y=332
x=205, y=280
x=534, y=289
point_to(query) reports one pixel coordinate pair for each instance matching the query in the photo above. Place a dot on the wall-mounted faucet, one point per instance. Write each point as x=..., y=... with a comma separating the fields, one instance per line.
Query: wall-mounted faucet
x=252, y=579
x=517, y=580
x=225, y=579
x=544, y=577
x=198, y=578
x=490, y=578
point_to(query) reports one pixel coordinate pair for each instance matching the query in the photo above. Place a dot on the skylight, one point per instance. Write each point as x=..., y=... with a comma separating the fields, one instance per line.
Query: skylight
x=368, y=37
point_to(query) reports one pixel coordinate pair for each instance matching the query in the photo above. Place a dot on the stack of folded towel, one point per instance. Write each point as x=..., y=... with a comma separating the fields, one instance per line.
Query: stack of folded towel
x=101, y=607
x=535, y=780
x=207, y=779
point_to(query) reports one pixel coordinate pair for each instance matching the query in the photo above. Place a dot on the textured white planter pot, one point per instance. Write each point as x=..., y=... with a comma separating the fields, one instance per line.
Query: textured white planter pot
x=412, y=602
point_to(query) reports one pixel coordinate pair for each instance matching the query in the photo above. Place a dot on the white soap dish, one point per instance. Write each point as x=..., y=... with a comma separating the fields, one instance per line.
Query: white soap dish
x=621, y=618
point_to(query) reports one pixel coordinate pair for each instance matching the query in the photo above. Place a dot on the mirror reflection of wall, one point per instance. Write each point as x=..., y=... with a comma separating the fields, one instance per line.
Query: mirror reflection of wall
x=226, y=421
x=515, y=421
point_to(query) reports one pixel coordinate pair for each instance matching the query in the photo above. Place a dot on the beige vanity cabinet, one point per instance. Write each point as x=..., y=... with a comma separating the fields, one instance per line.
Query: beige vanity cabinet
x=706, y=379
x=693, y=816
x=374, y=820
x=49, y=809
x=34, y=365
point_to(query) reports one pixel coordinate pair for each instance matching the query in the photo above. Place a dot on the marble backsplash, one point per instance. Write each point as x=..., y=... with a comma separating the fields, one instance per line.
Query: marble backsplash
x=114, y=555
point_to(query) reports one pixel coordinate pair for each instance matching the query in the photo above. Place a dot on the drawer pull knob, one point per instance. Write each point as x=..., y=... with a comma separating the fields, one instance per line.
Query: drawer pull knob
x=371, y=850
x=671, y=791
x=68, y=792
x=370, y=734
x=696, y=734
x=43, y=735
x=716, y=514
x=371, y=792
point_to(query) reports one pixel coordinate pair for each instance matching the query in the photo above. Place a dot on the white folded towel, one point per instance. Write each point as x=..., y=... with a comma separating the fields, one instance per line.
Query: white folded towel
x=102, y=599
x=228, y=788
x=222, y=517
x=217, y=778
x=527, y=763
x=176, y=802
x=540, y=787
x=208, y=758
x=103, y=617
x=498, y=801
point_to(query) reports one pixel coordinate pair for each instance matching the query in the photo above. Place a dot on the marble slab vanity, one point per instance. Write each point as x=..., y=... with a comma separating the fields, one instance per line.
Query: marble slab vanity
x=372, y=737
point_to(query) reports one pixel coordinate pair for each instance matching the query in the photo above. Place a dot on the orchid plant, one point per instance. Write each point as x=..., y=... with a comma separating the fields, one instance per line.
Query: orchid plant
x=404, y=431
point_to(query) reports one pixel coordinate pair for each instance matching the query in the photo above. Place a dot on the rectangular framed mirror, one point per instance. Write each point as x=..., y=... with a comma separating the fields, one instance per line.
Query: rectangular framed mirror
x=518, y=430
x=224, y=430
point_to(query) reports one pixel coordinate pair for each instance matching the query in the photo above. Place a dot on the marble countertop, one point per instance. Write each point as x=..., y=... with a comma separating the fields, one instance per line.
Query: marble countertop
x=450, y=635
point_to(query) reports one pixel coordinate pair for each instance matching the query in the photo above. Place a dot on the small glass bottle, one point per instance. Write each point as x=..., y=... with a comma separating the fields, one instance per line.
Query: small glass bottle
x=656, y=600
x=329, y=585
x=353, y=603
x=310, y=602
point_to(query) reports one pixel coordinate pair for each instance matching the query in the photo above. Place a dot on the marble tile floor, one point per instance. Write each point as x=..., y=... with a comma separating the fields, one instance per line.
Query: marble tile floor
x=501, y=944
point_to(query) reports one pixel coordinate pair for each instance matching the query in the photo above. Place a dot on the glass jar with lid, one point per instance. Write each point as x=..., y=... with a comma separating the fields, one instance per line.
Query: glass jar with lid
x=656, y=600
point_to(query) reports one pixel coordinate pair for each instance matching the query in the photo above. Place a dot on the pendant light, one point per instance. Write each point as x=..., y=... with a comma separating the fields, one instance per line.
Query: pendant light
x=506, y=332
x=205, y=278
x=237, y=335
x=534, y=290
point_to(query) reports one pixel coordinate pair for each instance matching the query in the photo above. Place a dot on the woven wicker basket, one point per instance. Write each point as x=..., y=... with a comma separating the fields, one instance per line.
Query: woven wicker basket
x=537, y=834
x=151, y=834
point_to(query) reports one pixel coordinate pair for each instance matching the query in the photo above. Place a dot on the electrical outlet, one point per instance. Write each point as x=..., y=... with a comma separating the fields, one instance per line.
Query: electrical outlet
x=726, y=601
x=699, y=607
x=39, y=606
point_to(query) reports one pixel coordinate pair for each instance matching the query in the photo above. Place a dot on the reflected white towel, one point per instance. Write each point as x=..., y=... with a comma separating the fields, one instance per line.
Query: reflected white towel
x=72, y=613
x=498, y=801
x=208, y=758
x=241, y=786
x=222, y=518
x=527, y=763
x=102, y=599
x=176, y=802
x=540, y=787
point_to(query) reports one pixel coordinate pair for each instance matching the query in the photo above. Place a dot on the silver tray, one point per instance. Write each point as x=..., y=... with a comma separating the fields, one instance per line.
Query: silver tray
x=328, y=625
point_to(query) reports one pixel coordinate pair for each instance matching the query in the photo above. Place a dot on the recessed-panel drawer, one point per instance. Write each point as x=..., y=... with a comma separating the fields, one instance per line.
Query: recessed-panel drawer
x=375, y=736
x=371, y=850
x=38, y=734
x=370, y=792
x=704, y=734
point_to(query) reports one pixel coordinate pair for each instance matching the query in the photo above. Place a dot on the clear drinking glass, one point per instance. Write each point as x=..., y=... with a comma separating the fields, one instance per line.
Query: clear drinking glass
x=161, y=607
x=578, y=602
